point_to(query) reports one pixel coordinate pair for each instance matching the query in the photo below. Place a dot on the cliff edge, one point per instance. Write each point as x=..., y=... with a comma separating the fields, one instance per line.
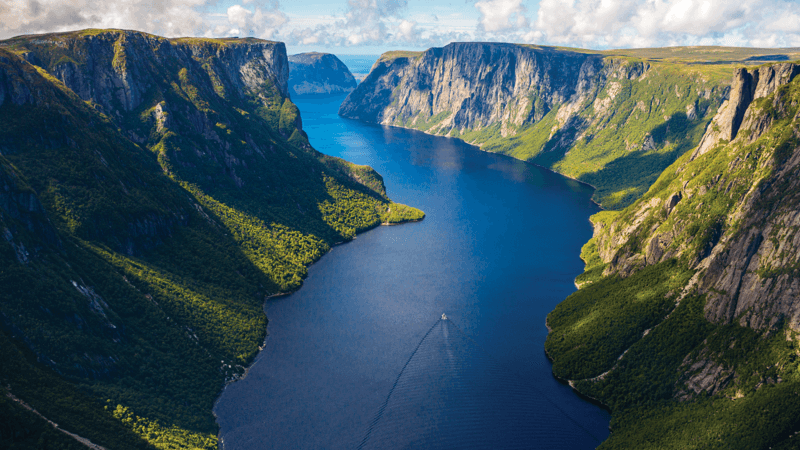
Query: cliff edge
x=154, y=193
x=614, y=122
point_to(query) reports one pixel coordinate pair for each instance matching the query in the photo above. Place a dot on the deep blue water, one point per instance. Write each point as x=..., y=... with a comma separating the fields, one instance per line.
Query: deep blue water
x=497, y=251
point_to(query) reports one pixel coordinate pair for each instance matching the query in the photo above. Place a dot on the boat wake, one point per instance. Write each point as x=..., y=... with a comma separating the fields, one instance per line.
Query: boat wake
x=453, y=394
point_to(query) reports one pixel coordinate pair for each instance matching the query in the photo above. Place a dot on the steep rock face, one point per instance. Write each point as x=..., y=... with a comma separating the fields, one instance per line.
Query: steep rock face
x=687, y=320
x=730, y=208
x=21, y=214
x=116, y=70
x=471, y=86
x=747, y=86
x=137, y=226
x=217, y=115
x=319, y=73
x=613, y=122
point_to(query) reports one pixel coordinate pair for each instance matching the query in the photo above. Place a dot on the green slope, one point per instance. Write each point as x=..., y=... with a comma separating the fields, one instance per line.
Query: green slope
x=622, y=140
x=139, y=246
x=614, y=119
x=644, y=334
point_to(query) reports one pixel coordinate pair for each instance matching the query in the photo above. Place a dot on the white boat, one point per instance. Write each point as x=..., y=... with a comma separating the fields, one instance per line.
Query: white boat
x=444, y=317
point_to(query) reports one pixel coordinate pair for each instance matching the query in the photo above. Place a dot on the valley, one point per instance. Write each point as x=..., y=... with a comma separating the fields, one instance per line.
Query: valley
x=154, y=193
x=158, y=195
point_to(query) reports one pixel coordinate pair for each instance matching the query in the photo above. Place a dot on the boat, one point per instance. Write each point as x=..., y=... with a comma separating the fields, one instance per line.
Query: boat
x=444, y=317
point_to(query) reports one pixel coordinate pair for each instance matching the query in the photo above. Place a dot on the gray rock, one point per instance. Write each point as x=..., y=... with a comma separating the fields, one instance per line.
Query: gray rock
x=119, y=67
x=748, y=265
x=469, y=86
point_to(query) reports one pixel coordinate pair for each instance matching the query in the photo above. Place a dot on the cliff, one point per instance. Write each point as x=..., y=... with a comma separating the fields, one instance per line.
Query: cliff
x=469, y=86
x=319, y=73
x=686, y=323
x=728, y=208
x=153, y=193
x=612, y=121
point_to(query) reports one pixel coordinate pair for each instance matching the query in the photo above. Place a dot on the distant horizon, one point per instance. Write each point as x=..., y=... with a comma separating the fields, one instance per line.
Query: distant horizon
x=369, y=27
x=345, y=50
x=376, y=51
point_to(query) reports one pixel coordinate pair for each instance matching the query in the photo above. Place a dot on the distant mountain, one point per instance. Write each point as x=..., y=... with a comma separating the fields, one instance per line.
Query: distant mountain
x=153, y=193
x=319, y=73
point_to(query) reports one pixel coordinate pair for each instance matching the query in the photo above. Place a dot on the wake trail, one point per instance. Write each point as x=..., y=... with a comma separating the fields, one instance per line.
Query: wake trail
x=453, y=393
x=397, y=380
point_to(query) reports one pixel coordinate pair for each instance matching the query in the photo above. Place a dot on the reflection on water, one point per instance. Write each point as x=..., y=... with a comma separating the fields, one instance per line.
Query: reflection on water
x=497, y=251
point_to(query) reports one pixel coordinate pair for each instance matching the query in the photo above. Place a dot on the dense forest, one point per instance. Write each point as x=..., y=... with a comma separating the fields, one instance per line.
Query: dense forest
x=153, y=194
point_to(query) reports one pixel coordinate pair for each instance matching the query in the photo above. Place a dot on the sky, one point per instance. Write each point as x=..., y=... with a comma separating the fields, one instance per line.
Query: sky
x=374, y=26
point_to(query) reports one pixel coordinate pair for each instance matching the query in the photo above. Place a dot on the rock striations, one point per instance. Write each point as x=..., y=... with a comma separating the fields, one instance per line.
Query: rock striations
x=614, y=122
x=730, y=208
x=468, y=86
x=319, y=73
x=687, y=322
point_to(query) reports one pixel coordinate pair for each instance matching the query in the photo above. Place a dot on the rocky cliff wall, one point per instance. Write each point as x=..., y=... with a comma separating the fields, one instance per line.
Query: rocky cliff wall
x=613, y=122
x=469, y=86
x=117, y=70
x=730, y=208
x=135, y=226
x=687, y=317
x=144, y=218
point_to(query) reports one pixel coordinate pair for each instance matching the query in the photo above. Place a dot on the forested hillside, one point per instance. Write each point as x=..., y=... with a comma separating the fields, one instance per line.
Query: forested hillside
x=153, y=193
x=686, y=323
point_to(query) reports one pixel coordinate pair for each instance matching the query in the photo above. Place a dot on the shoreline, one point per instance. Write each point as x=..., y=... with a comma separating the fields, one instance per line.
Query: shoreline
x=571, y=384
x=479, y=148
x=267, y=298
x=281, y=294
x=564, y=381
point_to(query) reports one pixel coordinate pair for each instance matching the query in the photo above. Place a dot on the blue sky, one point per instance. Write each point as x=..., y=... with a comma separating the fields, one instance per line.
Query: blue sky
x=375, y=26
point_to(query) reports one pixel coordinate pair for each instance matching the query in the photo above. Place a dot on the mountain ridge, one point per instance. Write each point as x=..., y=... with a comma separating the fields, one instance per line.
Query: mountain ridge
x=613, y=119
x=319, y=73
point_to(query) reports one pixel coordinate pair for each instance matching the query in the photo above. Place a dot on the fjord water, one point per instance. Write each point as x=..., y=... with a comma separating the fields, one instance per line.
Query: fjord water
x=359, y=356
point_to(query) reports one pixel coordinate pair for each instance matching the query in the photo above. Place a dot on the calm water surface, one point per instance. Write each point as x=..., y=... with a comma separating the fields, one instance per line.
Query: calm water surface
x=497, y=251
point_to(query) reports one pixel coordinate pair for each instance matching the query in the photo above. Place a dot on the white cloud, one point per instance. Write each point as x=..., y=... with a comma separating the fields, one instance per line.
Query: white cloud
x=788, y=23
x=365, y=22
x=407, y=30
x=239, y=16
x=501, y=15
x=169, y=18
x=639, y=23
x=263, y=22
x=388, y=23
